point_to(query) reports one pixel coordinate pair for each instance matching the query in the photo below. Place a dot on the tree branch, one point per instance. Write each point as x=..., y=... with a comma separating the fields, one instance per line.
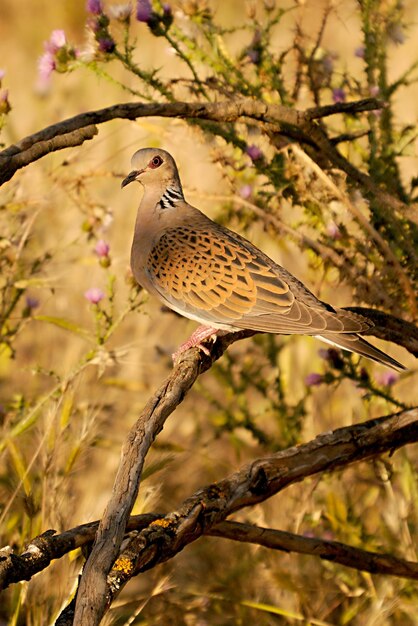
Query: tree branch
x=334, y=551
x=49, y=139
x=389, y=328
x=254, y=483
x=43, y=549
x=92, y=593
x=93, y=586
x=66, y=133
x=162, y=404
x=49, y=546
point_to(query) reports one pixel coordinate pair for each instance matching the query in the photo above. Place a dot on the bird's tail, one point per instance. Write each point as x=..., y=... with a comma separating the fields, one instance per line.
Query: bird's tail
x=355, y=343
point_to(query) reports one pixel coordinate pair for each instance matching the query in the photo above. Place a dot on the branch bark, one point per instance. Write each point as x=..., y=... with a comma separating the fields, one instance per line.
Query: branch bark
x=389, y=328
x=254, y=483
x=49, y=139
x=43, y=549
x=49, y=546
x=81, y=127
x=91, y=601
x=92, y=597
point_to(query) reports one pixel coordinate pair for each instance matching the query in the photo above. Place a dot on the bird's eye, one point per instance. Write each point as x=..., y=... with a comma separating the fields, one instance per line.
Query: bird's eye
x=155, y=162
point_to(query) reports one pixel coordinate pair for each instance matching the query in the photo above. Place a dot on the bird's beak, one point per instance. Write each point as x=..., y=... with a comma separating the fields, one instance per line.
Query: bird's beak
x=131, y=177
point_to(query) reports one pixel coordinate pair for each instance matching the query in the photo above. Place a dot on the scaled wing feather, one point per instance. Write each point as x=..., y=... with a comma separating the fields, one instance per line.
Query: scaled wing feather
x=221, y=278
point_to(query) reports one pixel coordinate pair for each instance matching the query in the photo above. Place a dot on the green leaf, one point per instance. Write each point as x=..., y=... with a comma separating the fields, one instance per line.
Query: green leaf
x=19, y=465
x=72, y=327
x=269, y=608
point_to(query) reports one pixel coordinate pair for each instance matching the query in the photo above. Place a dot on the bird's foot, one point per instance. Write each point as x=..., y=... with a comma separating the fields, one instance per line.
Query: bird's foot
x=195, y=340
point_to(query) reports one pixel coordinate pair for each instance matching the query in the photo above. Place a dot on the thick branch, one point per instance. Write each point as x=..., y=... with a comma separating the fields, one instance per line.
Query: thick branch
x=93, y=586
x=48, y=546
x=92, y=593
x=254, y=483
x=47, y=140
x=56, y=137
x=390, y=328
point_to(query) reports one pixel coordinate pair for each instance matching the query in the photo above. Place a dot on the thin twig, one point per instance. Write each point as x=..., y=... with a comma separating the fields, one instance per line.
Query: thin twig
x=334, y=551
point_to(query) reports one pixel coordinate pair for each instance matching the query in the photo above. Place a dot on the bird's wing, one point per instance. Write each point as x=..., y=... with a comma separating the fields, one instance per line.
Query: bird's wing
x=219, y=278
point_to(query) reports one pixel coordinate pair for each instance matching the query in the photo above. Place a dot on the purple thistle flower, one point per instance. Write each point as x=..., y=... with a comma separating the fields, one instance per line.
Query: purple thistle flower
x=333, y=231
x=46, y=65
x=95, y=24
x=313, y=379
x=245, y=191
x=328, y=63
x=254, y=152
x=333, y=357
x=253, y=55
x=167, y=16
x=121, y=12
x=94, y=295
x=338, y=95
x=388, y=378
x=106, y=44
x=94, y=7
x=56, y=41
x=360, y=52
x=308, y=533
x=48, y=60
x=102, y=248
x=31, y=303
x=364, y=375
x=143, y=10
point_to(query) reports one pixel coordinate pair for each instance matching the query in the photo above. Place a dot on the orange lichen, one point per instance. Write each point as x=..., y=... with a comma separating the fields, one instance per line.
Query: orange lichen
x=162, y=521
x=123, y=564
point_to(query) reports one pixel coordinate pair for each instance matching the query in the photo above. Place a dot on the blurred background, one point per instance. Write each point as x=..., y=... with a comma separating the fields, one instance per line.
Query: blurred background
x=74, y=374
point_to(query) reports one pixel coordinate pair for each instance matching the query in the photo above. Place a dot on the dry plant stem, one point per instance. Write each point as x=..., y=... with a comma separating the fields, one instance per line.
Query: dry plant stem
x=334, y=551
x=254, y=483
x=368, y=228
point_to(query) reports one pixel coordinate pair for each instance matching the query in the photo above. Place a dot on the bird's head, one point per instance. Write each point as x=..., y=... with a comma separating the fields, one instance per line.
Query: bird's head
x=152, y=166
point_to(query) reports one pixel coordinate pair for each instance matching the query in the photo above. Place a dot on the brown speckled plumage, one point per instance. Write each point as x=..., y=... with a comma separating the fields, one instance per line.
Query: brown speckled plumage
x=214, y=276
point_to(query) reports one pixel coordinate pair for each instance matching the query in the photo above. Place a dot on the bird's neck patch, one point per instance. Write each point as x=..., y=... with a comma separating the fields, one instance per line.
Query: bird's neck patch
x=170, y=197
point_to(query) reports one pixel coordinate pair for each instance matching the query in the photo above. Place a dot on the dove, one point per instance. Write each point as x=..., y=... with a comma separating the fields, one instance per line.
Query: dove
x=210, y=274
